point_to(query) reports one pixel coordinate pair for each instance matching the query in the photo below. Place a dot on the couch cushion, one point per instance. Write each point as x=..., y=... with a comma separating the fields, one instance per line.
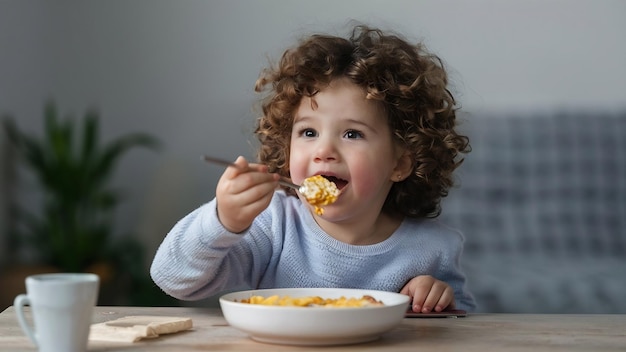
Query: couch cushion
x=547, y=187
x=541, y=284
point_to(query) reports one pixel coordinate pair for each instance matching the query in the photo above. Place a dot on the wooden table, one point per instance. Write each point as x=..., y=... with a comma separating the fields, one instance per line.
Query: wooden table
x=477, y=332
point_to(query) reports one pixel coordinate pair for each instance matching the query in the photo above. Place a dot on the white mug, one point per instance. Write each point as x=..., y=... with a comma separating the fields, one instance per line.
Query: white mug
x=62, y=307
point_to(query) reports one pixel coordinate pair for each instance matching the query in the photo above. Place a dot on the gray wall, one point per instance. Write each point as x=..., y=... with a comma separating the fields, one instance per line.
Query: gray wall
x=184, y=71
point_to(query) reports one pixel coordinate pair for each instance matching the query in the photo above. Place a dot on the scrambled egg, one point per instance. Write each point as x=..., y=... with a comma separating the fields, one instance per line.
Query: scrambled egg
x=313, y=301
x=319, y=191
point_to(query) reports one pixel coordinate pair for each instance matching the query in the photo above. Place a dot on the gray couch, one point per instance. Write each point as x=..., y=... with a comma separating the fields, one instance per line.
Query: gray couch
x=542, y=204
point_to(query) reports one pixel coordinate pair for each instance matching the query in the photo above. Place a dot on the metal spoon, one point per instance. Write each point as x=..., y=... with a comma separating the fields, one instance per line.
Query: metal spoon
x=283, y=181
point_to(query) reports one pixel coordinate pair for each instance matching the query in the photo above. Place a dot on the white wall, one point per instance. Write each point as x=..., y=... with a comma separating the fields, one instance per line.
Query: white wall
x=184, y=70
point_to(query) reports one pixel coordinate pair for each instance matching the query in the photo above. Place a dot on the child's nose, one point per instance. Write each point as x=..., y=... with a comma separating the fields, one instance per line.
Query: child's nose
x=325, y=151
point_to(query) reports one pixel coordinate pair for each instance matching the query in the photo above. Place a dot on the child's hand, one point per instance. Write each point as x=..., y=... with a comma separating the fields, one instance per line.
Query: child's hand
x=243, y=193
x=428, y=294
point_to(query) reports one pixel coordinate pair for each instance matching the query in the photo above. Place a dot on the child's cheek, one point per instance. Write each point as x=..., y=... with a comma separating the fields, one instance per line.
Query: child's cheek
x=297, y=169
x=364, y=183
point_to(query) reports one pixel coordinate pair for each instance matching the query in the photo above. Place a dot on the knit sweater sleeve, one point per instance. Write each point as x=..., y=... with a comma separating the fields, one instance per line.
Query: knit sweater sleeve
x=450, y=271
x=199, y=257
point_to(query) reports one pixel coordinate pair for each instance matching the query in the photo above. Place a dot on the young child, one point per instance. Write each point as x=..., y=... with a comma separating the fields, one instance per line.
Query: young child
x=372, y=114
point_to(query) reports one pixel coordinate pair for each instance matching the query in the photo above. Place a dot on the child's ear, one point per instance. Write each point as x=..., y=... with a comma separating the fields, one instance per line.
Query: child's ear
x=403, y=168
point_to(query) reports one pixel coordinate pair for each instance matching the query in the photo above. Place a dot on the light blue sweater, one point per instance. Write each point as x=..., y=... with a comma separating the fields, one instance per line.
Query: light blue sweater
x=285, y=247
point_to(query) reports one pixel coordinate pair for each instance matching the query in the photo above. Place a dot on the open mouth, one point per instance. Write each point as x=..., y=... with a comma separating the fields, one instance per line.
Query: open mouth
x=339, y=182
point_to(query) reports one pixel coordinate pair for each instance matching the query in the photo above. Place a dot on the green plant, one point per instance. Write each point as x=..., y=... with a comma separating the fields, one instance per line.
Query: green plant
x=73, y=230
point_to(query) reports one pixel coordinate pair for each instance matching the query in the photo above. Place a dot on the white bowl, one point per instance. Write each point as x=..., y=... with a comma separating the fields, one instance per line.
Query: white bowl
x=314, y=325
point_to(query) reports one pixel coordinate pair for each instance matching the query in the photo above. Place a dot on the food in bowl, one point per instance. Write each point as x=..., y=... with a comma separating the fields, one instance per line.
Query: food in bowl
x=314, y=325
x=319, y=191
x=314, y=301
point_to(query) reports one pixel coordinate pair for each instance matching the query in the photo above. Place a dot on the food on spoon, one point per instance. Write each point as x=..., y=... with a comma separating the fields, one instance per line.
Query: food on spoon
x=314, y=301
x=319, y=191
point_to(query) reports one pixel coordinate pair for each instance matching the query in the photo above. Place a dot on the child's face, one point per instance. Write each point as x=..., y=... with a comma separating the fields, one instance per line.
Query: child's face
x=345, y=137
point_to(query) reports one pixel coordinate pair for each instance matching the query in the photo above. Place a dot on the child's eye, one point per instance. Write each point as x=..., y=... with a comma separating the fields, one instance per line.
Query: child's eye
x=308, y=132
x=353, y=134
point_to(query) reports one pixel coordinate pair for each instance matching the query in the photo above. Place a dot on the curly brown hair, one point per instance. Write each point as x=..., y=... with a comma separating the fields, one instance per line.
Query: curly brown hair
x=409, y=82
